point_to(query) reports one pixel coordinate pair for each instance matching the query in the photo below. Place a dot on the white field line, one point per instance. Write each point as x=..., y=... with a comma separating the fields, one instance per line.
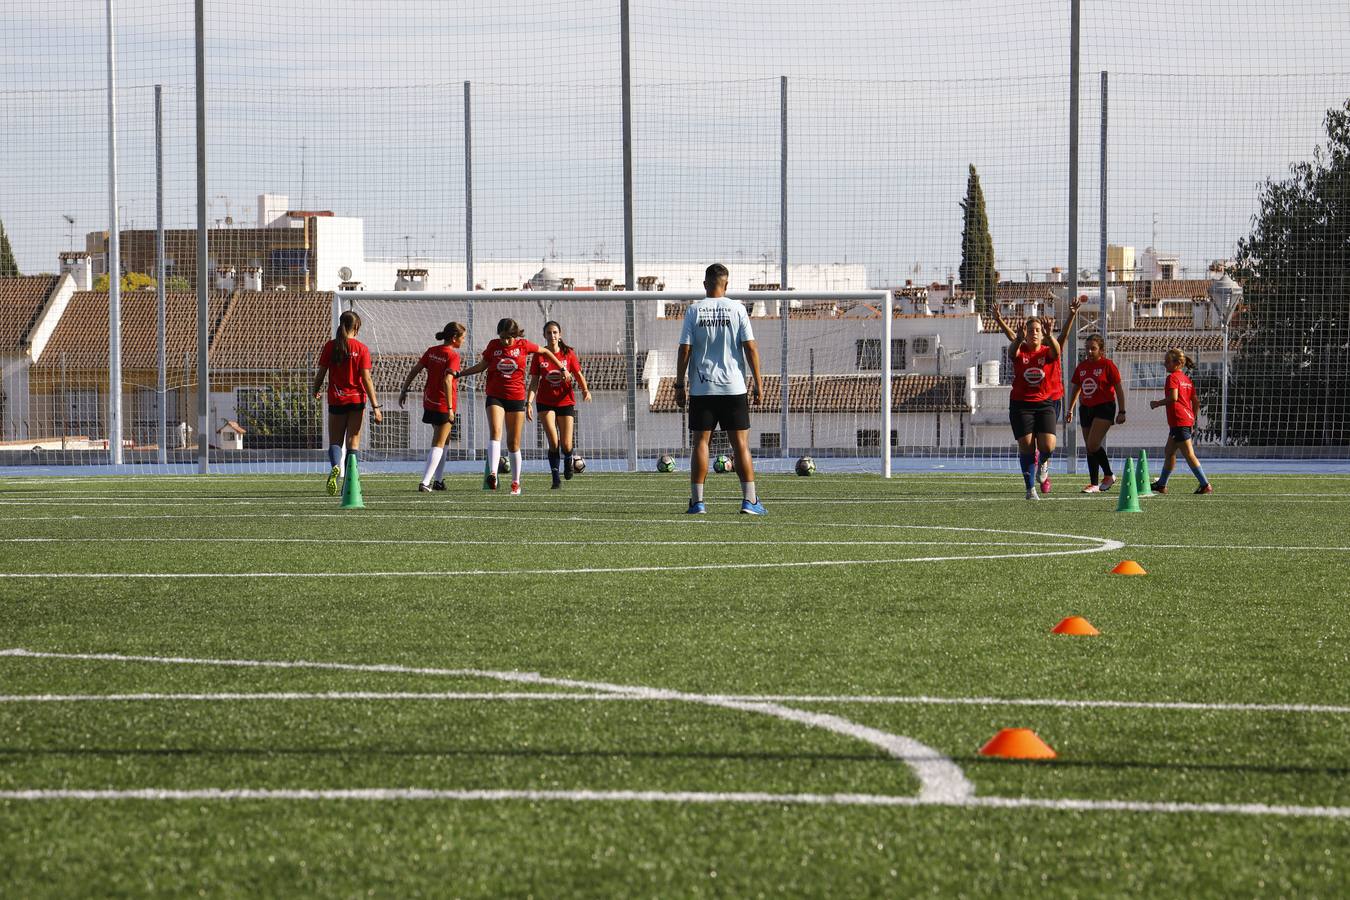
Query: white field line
x=1235, y=547
x=682, y=797
x=515, y=542
x=939, y=777
x=1103, y=545
x=553, y=697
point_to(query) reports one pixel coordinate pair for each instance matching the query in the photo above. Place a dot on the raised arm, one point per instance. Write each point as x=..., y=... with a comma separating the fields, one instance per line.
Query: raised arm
x=1073, y=313
x=1003, y=326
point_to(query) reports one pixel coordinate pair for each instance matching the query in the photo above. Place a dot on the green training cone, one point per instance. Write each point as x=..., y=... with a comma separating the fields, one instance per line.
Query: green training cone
x=351, y=487
x=1129, y=491
x=1143, y=480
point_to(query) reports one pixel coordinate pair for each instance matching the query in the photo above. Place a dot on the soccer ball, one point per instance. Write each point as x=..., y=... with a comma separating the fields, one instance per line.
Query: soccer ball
x=578, y=465
x=665, y=464
x=723, y=464
x=806, y=466
x=503, y=465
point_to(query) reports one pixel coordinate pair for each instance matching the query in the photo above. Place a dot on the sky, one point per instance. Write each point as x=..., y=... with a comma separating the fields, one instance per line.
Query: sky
x=359, y=108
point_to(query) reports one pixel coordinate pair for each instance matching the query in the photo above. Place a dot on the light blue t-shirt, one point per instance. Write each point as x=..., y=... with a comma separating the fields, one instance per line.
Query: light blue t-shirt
x=715, y=328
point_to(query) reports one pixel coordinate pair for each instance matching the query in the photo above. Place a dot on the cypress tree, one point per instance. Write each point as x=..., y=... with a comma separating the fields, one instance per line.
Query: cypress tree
x=977, y=246
x=8, y=267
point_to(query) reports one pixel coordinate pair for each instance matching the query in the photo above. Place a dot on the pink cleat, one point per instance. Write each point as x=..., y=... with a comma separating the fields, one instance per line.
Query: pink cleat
x=515, y=489
x=1092, y=489
x=1107, y=482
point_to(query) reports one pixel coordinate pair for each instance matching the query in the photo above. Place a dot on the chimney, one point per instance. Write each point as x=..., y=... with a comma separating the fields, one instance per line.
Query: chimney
x=253, y=278
x=80, y=266
x=225, y=279
x=411, y=280
x=1056, y=276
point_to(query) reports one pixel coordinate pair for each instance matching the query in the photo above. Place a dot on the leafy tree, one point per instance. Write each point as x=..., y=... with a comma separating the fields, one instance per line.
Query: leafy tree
x=1291, y=365
x=178, y=284
x=280, y=415
x=131, y=281
x=8, y=267
x=977, y=246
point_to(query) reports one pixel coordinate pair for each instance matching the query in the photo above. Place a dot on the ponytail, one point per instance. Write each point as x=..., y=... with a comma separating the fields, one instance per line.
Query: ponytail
x=349, y=323
x=1178, y=356
x=452, y=332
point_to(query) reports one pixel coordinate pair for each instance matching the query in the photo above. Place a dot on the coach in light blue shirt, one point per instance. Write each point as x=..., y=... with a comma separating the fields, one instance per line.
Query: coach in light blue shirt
x=716, y=344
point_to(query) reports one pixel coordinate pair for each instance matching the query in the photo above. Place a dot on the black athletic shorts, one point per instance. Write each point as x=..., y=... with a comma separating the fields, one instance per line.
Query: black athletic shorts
x=731, y=412
x=557, y=410
x=508, y=405
x=1032, y=417
x=1179, y=433
x=1105, y=411
x=435, y=416
x=342, y=409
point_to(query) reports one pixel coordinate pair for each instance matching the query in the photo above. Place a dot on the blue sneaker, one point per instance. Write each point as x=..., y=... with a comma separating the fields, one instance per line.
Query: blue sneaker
x=696, y=508
x=753, y=509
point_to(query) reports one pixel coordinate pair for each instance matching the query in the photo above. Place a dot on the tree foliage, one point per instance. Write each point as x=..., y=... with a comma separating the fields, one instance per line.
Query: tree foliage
x=131, y=281
x=8, y=267
x=977, y=246
x=281, y=415
x=1289, y=380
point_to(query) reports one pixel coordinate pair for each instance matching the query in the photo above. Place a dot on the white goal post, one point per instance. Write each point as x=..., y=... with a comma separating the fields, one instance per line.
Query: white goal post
x=645, y=325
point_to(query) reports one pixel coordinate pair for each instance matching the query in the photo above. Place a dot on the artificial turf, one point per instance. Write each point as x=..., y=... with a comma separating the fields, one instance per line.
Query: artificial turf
x=289, y=576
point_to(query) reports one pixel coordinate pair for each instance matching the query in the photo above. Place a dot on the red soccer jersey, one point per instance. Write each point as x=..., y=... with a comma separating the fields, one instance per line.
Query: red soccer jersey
x=1098, y=381
x=344, y=378
x=1183, y=411
x=554, y=389
x=506, y=368
x=437, y=361
x=1034, y=374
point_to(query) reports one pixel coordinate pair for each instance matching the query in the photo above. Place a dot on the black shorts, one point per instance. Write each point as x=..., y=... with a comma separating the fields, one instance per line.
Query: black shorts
x=1179, y=433
x=343, y=409
x=1086, y=414
x=570, y=410
x=1032, y=417
x=731, y=412
x=508, y=405
x=436, y=417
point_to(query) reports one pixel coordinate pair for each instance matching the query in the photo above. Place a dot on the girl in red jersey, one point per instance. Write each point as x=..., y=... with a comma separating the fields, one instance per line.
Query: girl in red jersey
x=504, y=360
x=556, y=398
x=439, y=400
x=1179, y=398
x=1032, y=410
x=346, y=363
x=1101, y=398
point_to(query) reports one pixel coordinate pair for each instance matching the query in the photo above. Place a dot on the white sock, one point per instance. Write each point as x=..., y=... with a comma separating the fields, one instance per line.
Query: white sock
x=440, y=466
x=748, y=491
x=696, y=492
x=515, y=466
x=494, y=454
x=434, y=459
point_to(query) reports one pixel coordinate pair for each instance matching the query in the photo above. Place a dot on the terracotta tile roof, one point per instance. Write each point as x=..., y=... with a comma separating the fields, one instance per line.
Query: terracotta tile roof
x=81, y=337
x=608, y=371
x=848, y=394
x=272, y=331
x=1180, y=289
x=1154, y=342
x=21, y=301
x=389, y=369
x=1163, y=323
x=987, y=323
x=1022, y=291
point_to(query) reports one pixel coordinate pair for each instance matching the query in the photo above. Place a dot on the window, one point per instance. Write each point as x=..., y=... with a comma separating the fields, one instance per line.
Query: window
x=1148, y=375
x=1005, y=369
x=392, y=433
x=870, y=438
x=770, y=440
x=869, y=354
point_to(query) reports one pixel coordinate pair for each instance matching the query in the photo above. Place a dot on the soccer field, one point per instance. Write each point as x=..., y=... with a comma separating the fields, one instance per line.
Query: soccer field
x=229, y=685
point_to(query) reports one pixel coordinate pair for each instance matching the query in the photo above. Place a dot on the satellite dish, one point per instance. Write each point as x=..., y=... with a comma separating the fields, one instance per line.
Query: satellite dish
x=345, y=273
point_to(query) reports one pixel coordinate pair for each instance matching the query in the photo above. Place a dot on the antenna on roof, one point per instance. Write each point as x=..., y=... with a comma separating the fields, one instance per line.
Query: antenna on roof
x=70, y=229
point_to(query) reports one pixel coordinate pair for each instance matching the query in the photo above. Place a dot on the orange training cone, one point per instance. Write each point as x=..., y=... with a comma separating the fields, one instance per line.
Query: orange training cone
x=1074, y=625
x=1128, y=567
x=1017, y=743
